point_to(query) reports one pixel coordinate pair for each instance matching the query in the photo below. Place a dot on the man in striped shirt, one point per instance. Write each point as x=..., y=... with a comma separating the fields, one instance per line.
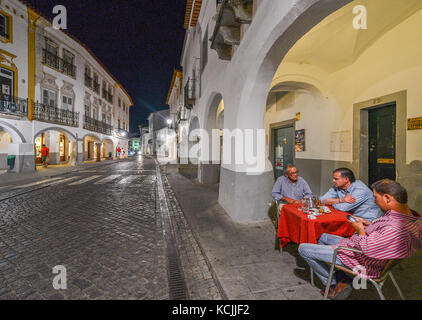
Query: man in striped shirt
x=395, y=235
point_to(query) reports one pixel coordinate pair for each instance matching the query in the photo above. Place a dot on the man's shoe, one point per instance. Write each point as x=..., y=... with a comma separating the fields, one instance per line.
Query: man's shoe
x=330, y=292
x=342, y=291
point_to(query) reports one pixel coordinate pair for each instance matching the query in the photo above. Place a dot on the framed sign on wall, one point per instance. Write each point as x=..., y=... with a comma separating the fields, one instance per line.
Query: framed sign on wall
x=300, y=140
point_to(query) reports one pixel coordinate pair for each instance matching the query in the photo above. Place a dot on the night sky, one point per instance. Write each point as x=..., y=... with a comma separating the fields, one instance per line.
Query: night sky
x=139, y=41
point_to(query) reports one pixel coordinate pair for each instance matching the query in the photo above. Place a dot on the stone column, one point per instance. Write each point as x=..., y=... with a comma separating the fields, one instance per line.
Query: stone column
x=73, y=153
x=25, y=157
x=98, y=153
x=54, y=146
x=80, y=153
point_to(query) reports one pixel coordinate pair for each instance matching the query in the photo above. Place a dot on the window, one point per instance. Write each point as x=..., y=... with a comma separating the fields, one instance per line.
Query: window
x=108, y=119
x=119, y=102
x=103, y=117
x=6, y=84
x=49, y=98
x=87, y=110
x=67, y=103
x=69, y=58
x=51, y=47
x=118, y=124
x=96, y=83
x=5, y=27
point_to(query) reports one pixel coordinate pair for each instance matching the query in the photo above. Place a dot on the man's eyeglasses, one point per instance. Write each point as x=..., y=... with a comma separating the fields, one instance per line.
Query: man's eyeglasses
x=293, y=173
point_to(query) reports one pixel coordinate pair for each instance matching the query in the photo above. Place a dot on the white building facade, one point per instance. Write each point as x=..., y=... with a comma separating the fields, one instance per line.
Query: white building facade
x=320, y=83
x=60, y=95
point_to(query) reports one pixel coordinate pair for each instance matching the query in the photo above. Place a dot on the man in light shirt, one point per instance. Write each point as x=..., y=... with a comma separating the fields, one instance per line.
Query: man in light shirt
x=290, y=188
x=351, y=195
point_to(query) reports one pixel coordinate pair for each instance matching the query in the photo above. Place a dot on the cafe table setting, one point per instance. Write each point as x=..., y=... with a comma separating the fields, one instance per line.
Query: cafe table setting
x=306, y=221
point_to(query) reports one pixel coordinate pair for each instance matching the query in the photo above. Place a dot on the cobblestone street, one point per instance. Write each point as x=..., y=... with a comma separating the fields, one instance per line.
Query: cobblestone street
x=104, y=226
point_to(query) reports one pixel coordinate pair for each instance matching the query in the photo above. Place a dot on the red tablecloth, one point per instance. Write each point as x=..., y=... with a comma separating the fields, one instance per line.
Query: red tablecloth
x=294, y=225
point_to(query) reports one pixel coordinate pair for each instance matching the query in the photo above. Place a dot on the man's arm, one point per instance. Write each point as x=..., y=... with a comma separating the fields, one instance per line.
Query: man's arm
x=330, y=197
x=277, y=191
x=360, y=196
x=379, y=244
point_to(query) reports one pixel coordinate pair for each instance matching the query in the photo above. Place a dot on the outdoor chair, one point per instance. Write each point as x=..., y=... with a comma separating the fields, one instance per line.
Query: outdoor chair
x=279, y=205
x=378, y=282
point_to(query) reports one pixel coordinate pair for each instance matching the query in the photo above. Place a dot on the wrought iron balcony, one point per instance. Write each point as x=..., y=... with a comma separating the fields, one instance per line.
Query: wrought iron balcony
x=92, y=124
x=53, y=61
x=55, y=115
x=190, y=93
x=14, y=106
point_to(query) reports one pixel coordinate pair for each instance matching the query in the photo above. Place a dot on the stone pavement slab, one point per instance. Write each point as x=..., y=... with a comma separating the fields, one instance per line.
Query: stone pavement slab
x=245, y=262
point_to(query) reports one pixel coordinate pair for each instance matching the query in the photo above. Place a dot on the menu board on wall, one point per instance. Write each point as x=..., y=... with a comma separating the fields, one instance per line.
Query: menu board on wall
x=300, y=140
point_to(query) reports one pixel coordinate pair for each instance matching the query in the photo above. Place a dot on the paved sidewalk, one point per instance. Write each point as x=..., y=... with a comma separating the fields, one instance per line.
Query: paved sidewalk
x=243, y=258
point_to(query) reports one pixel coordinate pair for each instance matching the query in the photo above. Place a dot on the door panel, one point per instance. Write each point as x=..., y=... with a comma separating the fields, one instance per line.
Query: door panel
x=283, y=149
x=382, y=143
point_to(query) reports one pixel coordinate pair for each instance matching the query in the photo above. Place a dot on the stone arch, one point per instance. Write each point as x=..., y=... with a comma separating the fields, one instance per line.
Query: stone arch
x=107, y=146
x=91, y=147
x=256, y=67
x=59, y=129
x=302, y=16
x=16, y=135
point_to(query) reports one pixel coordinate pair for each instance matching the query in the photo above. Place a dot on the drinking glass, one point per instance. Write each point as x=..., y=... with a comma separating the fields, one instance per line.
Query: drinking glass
x=305, y=206
x=299, y=205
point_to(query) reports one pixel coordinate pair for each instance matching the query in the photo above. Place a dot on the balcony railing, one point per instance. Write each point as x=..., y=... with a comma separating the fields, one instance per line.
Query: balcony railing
x=55, y=115
x=92, y=124
x=14, y=106
x=190, y=94
x=52, y=60
x=88, y=81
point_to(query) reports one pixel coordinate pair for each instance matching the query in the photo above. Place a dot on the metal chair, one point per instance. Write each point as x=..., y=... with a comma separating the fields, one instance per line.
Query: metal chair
x=279, y=205
x=378, y=282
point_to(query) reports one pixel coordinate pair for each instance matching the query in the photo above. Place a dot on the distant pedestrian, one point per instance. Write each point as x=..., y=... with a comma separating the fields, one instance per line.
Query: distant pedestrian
x=118, y=152
x=45, y=152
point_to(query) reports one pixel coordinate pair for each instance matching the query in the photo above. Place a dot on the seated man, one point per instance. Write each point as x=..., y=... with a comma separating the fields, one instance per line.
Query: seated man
x=290, y=187
x=396, y=235
x=351, y=195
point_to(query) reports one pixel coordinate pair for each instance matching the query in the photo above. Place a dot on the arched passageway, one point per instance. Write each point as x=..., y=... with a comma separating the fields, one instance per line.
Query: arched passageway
x=330, y=79
x=61, y=143
x=5, y=140
x=92, y=148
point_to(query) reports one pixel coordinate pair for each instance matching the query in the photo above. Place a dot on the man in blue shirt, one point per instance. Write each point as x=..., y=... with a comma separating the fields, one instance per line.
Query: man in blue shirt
x=290, y=187
x=351, y=195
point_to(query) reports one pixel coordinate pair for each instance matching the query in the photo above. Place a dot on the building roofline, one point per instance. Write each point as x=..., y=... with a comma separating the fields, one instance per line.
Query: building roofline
x=67, y=33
